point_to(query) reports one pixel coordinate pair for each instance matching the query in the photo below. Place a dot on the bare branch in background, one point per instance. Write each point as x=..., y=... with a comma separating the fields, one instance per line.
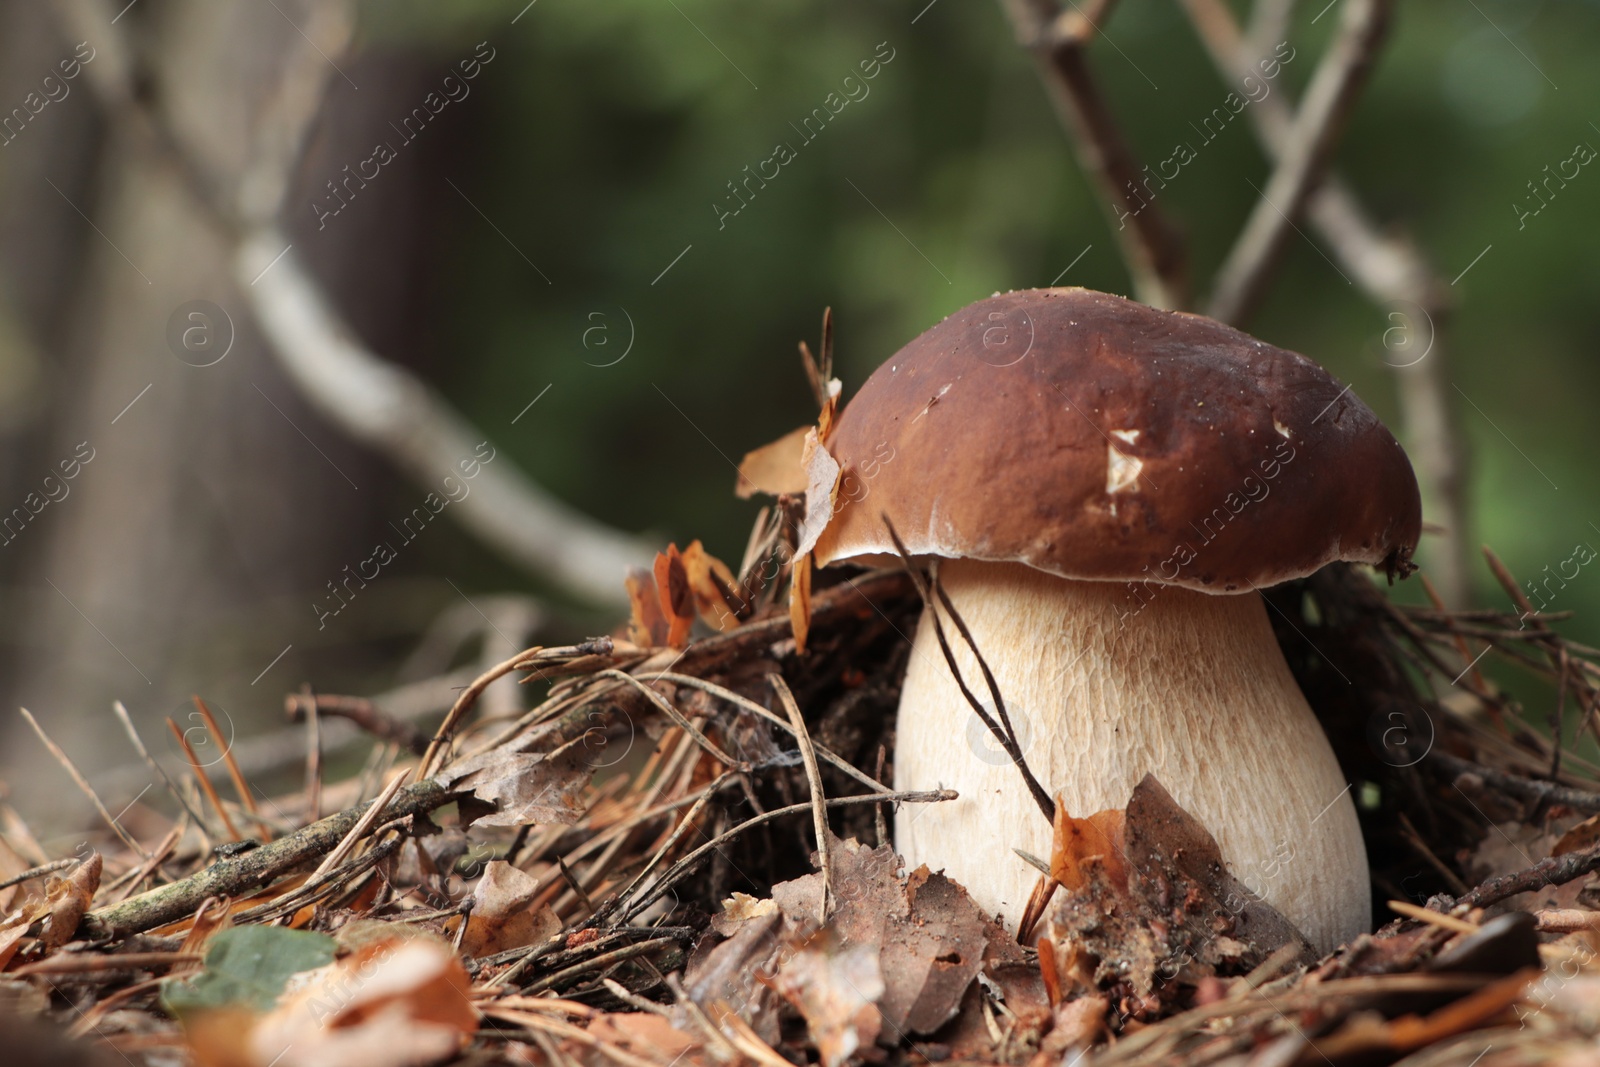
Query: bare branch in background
x=1152, y=246
x=1391, y=270
x=376, y=402
x=1308, y=147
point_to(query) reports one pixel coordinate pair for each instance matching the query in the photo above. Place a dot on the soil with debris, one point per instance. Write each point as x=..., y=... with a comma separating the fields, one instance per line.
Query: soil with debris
x=679, y=856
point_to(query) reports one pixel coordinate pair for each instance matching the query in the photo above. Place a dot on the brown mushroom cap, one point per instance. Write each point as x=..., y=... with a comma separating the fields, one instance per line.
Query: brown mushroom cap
x=1095, y=438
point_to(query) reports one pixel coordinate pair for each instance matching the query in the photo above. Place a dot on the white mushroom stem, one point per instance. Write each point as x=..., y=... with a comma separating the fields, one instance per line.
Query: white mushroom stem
x=1104, y=686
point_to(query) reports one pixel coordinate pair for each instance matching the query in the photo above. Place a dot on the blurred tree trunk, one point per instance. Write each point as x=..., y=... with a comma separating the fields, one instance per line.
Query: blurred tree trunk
x=216, y=505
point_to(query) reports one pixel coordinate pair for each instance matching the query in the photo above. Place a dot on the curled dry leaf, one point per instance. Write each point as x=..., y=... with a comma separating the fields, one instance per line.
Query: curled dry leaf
x=713, y=586
x=647, y=624
x=672, y=589
x=822, y=484
x=835, y=983
x=774, y=468
x=524, y=787
x=402, y=1002
x=69, y=900
x=503, y=916
x=800, y=602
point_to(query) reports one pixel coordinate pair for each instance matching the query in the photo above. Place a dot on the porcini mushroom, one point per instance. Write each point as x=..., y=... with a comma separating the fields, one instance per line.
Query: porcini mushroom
x=1106, y=487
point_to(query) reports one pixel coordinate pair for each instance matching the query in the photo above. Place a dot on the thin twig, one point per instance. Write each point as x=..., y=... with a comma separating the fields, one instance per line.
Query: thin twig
x=599, y=963
x=667, y=708
x=240, y=786
x=363, y=824
x=819, y=800
x=144, y=754
x=833, y=758
x=37, y=872
x=83, y=784
x=1003, y=736
x=361, y=711
x=1329, y=99
x=1152, y=246
x=204, y=779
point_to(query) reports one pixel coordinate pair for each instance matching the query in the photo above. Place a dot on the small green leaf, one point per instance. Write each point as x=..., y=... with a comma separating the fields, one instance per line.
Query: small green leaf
x=249, y=966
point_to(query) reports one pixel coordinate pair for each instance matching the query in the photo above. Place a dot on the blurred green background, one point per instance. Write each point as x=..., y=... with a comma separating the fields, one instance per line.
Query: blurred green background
x=605, y=134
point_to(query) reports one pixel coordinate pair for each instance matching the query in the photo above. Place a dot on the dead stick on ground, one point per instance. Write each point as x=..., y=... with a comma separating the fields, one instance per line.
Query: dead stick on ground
x=361, y=711
x=1522, y=788
x=83, y=784
x=819, y=800
x=1557, y=870
x=342, y=849
x=251, y=870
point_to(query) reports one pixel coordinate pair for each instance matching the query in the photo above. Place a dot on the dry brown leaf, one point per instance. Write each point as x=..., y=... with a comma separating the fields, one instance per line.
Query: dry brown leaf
x=397, y=1003
x=822, y=484
x=800, y=602
x=13, y=928
x=11, y=865
x=740, y=909
x=503, y=916
x=774, y=468
x=730, y=974
x=647, y=626
x=69, y=900
x=672, y=588
x=1099, y=836
x=645, y=1035
x=525, y=787
x=1584, y=835
x=835, y=984
x=1160, y=904
x=713, y=586
x=931, y=938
